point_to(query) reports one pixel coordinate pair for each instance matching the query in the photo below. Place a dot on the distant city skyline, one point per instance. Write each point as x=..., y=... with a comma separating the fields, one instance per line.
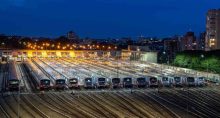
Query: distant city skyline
x=104, y=18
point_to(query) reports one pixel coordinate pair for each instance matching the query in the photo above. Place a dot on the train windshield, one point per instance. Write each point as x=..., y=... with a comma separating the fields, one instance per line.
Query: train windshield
x=45, y=82
x=88, y=79
x=153, y=79
x=190, y=79
x=165, y=79
x=177, y=79
x=14, y=82
x=101, y=79
x=127, y=79
x=141, y=79
x=116, y=80
x=201, y=78
x=73, y=80
x=60, y=81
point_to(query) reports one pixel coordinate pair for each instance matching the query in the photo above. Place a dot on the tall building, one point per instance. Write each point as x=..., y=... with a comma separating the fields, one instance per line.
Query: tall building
x=213, y=29
x=189, y=42
x=202, y=41
x=171, y=47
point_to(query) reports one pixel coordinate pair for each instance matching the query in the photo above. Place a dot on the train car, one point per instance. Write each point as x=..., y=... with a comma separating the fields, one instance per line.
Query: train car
x=73, y=83
x=13, y=81
x=191, y=81
x=116, y=82
x=167, y=81
x=141, y=82
x=39, y=74
x=127, y=82
x=101, y=82
x=88, y=83
x=60, y=84
x=201, y=81
x=178, y=81
x=44, y=84
x=153, y=81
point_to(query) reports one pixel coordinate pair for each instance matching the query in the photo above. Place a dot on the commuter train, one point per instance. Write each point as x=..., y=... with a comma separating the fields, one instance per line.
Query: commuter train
x=89, y=82
x=191, y=81
x=116, y=82
x=60, y=84
x=127, y=82
x=73, y=83
x=101, y=82
x=179, y=81
x=153, y=81
x=201, y=81
x=13, y=81
x=39, y=74
x=167, y=81
x=141, y=82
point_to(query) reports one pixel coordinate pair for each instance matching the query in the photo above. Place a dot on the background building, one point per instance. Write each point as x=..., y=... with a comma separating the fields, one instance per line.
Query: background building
x=213, y=29
x=201, y=42
x=72, y=37
x=189, y=42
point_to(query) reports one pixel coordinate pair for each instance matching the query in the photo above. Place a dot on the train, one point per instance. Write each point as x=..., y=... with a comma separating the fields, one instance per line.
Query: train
x=141, y=82
x=101, y=82
x=127, y=82
x=191, y=81
x=201, y=81
x=167, y=81
x=179, y=81
x=73, y=83
x=116, y=82
x=153, y=81
x=13, y=82
x=60, y=84
x=40, y=76
x=89, y=83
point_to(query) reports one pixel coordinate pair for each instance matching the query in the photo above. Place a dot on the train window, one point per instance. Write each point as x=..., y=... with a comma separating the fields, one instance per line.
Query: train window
x=116, y=80
x=60, y=81
x=153, y=79
x=101, y=79
x=177, y=79
x=190, y=79
x=46, y=82
x=73, y=80
x=201, y=78
x=14, y=82
x=141, y=79
x=165, y=78
x=127, y=79
x=88, y=79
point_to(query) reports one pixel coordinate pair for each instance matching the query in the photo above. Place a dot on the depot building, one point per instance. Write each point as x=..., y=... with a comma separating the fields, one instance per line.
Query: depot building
x=124, y=54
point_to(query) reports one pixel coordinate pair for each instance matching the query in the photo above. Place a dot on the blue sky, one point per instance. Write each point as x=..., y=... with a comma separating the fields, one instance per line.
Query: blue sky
x=104, y=18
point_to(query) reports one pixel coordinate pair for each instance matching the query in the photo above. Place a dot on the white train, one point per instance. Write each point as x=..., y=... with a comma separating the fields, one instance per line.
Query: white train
x=127, y=82
x=167, y=81
x=116, y=82
x=201, y=81
x=191, y=81
x=142, y=82
x=40, y=77
x=154, y=81
x=179, y=81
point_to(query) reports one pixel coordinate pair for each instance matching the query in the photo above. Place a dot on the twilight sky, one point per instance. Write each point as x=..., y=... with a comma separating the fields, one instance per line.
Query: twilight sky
x=104, y=18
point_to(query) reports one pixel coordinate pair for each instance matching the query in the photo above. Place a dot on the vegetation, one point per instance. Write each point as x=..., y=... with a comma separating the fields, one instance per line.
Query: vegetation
x=199, y=60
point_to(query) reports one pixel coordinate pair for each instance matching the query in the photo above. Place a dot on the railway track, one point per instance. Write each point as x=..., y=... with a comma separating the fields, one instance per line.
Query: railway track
x=177, y=108
x=46, y=107
x=73, y=107
x=76, y=99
